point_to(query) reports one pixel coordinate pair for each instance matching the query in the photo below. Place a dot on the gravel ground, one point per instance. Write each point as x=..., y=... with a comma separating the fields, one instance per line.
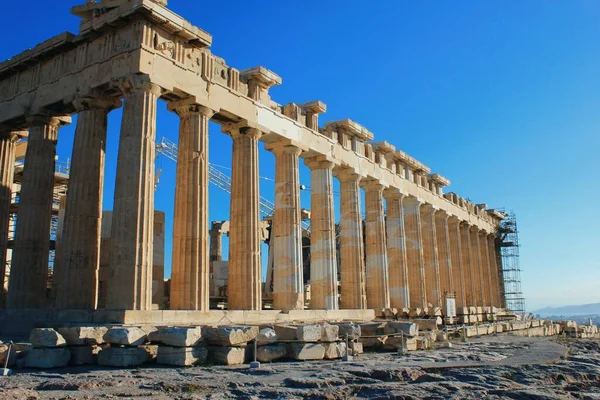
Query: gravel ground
x=491, y=368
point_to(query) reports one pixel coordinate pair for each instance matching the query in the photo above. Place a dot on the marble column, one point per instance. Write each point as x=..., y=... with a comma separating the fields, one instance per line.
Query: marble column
x=486, y=269
x=444, y=257
x=378, y=284
x=288, y=270
x=191, y=263
x=352, y=245
x=323, y=262
x=467, y=265
x=476, y=267
x=29, y=268
x=131, y=248
x=414, y=252
x=245, y=278
x=78, y=256
x=396, y=249
x=430, y=255
x=497, y=281
x=216, y=252
x=456, y=257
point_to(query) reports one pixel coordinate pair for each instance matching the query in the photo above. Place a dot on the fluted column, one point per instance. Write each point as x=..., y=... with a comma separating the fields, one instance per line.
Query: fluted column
x=378, y=285
x=456, y=257
x=323, y=264
x=430, y=255
x=467, y=265
x=414, y=252
x=77, y=264
x=352, y=250
x=486, y=269
x=191, y=264
x=476, y=264
x=29, y=266
x=444, y=257
x=244, y=285
x=8, y=142
x=288, y=270
x=130, y=272
x=396, y=249
x=216, y=252
x=496, y=282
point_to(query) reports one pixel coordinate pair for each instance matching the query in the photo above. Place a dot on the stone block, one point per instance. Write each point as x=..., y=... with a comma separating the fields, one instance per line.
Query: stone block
x=230, y=335
x=373, y=343
x=408, y=328
x=309, y=333
x=356, y=348
x=46, y=337
x=441, y=336
x=122, y=356
x=83, y=336
x=47, y=358
x=329, y=333
x=151, y=350
x=349, y=329
x=84, y=355
x=334, y=350
x=12, y=358
x=126, y=336
x=267, y=336
x=179, y=337
x=307, y=351
x=423, y=343
x=227, y=355
x=373, y=328
x=271, y=352
x=182, y=356
x=286, y=332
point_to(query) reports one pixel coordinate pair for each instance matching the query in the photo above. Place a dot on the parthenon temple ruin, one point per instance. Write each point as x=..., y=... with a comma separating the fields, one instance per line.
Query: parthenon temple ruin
x=411, y=248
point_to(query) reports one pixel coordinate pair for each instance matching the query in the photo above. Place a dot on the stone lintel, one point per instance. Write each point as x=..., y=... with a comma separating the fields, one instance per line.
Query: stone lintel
x=314, y=107
x=439, y=179
x=383, y=147
x=263, y=76
x=351, y=128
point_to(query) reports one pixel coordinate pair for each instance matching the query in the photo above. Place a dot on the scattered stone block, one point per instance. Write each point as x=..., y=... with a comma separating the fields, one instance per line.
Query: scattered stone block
x=334, y=350
x=84, y=355
x=122, y=356
x=408, y=328
x=373, y=343
x=271, y=352
x=46, y=337
x=309, y=333
x=228, y=355
x=151, y=350
x=47, y=358
x=12, y=358
x=356, y=348
x=416, y=312
x=307, y=351
x=230, y=335
x=84, y=336
x=267, y=336
x=179, y=337
x=441, y=336
x=395, y=342
x=286, y=332
x=373, y=328
x=423, y=343
x=329, y=333
x=352, y=330
x=125, y=336
x=182, y=356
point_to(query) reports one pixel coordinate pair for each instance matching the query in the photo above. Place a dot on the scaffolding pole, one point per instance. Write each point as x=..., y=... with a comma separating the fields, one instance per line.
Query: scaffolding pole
x=507, y=242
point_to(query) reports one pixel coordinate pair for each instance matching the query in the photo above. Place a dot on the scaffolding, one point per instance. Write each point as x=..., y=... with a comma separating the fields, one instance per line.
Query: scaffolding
x=507, y=242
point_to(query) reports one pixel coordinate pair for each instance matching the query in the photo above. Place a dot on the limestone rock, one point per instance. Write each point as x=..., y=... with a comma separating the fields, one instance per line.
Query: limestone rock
x=126, y=336
x=329, y=333
x=182, y=356
x=405, y=327
x=80, y=336
x=350, y=329
x=373, y=343
x=47, y=358
x=398, y=342
x=356, y=348
x=230, y=335
x=286, y=332
x=427, y=324
x=307, y=351
x=334, y=350
x=179, y=337
x=46, y=337
x=84, y=355
x=122, y=356
x=373, y=328
x=271, y=352
x=151, y=351
x=309, y=333
x=228, y=355
x=267, y=336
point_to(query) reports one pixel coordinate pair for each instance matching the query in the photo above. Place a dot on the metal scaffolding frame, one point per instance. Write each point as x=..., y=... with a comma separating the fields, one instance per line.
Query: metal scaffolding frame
x=507, y=243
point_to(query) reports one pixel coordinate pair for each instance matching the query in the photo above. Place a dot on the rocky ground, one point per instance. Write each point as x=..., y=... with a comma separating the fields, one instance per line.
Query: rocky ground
x=491, y=368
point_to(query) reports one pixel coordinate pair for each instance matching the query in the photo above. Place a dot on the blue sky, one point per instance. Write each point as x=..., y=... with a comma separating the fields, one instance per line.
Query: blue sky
x=500, y=97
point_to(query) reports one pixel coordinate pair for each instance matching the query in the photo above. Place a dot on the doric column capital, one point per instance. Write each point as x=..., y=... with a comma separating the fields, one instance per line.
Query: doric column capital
x=319, y=162
x=40, y=119
x=413, y=201
x=96, y=103
x=283, y=146
x=189, y=106
x=442, y=214
x=11, y=134
x=429, y=208
x=347, y=175
x=137, y=83
x=393, y=193
x=372, y=185
x=237, y=131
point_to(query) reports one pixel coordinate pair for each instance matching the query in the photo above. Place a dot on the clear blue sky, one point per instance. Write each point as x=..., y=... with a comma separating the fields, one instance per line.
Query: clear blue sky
x=501, y=97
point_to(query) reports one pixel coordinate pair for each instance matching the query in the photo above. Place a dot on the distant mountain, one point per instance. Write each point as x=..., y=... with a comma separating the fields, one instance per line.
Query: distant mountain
x=585, y=309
